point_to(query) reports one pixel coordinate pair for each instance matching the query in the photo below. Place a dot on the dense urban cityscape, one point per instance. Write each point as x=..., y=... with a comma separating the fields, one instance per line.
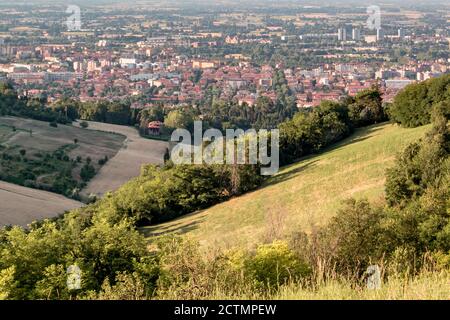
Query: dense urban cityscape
x=175, y=58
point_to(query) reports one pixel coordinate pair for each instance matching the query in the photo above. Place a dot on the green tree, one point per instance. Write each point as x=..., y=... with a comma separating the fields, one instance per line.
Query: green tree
x=179, y=119
x=367, y=108
x=413, y=105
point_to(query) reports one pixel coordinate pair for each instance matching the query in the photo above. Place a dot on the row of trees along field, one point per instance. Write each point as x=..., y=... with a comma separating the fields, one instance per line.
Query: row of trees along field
x=11, y=104
x=103, y=241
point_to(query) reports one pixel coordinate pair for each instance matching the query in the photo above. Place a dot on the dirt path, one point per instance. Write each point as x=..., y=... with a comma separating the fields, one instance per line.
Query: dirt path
x=127, y=163
x=21, y=206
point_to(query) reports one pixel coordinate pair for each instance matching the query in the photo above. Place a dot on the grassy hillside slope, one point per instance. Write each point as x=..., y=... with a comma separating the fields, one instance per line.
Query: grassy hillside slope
x=302, y=195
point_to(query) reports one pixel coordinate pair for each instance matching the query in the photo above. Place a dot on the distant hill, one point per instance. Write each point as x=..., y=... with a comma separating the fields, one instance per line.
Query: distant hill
x=302, y=195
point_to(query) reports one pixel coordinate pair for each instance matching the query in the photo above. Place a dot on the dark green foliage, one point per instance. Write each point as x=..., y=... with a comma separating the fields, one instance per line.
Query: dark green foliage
x=84, y=124
x=87, y=172
x=309, y=132
x=47, y=171
x=418, y=190
x=421, y=164
x=352, y=238
x=67, y=108
x=106, y=111
x=103, y=160
x=367, y=108
x=10, y=104
x=114, y=112
x=166, y=155
x=412, y=106
x=161, y=194
x=156, y=113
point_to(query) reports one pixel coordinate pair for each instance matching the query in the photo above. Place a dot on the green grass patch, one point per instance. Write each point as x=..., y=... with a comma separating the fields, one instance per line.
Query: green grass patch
x=301, y=196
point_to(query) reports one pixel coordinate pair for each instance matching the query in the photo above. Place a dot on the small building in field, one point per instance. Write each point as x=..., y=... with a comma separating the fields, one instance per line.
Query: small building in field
x=154, y=128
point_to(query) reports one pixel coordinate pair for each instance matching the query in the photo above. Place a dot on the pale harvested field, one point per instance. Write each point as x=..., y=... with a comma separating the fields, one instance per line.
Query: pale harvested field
x=135, y=152
x=21, y=206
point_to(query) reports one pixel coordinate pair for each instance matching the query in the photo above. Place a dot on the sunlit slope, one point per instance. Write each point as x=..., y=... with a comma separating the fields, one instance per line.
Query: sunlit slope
x=302, y=195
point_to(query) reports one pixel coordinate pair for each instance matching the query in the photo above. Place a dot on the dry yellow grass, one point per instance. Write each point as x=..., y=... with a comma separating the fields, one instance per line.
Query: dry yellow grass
x=425, y=286
x=21, y=206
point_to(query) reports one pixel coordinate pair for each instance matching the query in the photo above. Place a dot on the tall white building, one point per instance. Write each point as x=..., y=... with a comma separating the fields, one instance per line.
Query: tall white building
x=127, y=62
x=380, y=34
x=342, y=34
x=356, y=34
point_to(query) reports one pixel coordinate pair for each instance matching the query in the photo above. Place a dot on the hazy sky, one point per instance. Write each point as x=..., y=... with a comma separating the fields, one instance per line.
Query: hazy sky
x=316, y=2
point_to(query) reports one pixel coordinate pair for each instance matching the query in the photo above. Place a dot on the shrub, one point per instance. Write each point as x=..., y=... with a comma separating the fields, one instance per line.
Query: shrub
x=103, y=160
x=275, y=264
x=87, y=172
x=353, y=238
x=127, y=287
x=421, y=164
x=184, y=272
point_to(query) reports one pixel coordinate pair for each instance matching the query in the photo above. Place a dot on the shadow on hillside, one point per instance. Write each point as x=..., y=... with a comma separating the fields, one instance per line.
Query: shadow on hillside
x=289, y=173
x=358, y=136
x=177, y=226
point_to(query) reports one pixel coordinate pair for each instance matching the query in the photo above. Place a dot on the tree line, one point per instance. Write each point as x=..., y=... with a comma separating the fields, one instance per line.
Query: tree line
x=35, y=108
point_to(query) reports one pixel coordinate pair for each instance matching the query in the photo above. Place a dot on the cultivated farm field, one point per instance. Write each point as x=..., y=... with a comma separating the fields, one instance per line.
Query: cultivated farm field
x=135, y=152
x=47, y=138
x=35, y=154
x=21, y=206
x=38, y=156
